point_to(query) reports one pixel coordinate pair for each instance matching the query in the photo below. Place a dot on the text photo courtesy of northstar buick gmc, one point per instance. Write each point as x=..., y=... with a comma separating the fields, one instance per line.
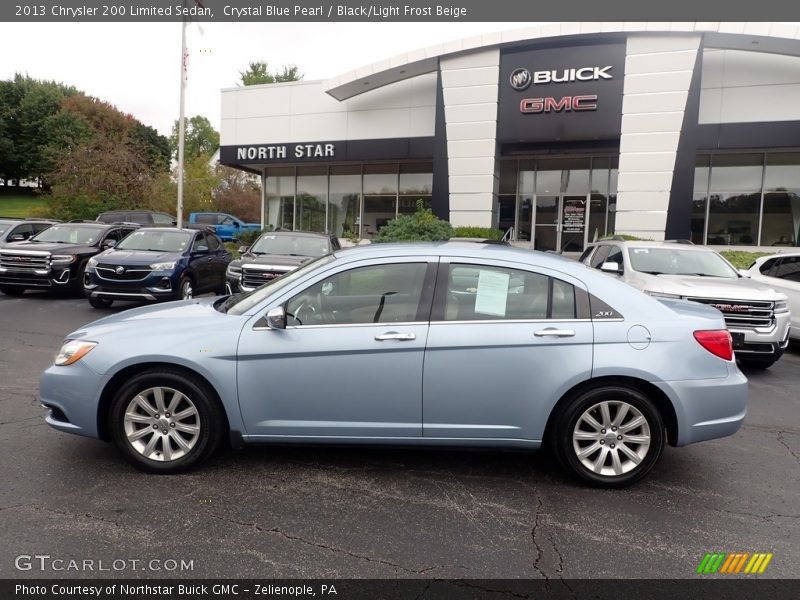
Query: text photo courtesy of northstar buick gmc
x=449, y=344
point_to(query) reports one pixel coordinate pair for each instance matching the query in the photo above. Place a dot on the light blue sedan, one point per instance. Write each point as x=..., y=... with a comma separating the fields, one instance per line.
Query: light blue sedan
x=452, y=344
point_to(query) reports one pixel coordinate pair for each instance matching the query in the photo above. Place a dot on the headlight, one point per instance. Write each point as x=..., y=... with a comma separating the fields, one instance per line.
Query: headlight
x=163, y=266
x=63, y=259
x=92, y=263
x=662, y=295
x=72, y=351
x=781, y=306
x=234, y=270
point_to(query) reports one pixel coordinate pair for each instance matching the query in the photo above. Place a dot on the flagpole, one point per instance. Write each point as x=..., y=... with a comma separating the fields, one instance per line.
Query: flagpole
x=181, y=120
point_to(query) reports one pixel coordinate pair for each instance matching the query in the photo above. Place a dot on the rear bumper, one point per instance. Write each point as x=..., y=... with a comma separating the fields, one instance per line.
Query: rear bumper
x=707, y=409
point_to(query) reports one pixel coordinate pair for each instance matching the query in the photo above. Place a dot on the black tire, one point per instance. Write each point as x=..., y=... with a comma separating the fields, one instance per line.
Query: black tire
x=755, y=363
x=100, y=302
x=12, y=291
x=210, y=419
x=566, y=449
x=182, y=284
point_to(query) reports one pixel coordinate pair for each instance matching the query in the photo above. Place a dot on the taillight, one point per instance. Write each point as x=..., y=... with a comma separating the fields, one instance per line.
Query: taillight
x=717, y=341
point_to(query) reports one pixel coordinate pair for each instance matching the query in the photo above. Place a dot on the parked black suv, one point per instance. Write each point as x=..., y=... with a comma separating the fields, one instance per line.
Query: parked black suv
x=56, y=258
x=19, y=230
x=274, y=254
x=146, y=218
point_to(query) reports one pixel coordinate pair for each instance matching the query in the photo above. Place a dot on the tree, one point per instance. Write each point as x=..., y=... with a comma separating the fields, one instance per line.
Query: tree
x=258, y=72
x=238, y=193
x=200, y=138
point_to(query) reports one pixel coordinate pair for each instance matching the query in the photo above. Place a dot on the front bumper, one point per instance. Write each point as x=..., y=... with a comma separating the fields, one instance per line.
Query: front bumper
x=56, y=278
x=70, y=395
x=154, y=287
x=767, y=344
x=707, y=409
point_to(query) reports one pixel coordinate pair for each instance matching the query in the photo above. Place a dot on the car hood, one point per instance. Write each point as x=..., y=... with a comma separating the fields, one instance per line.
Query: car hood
x=707, y=287
x=52, y=247
x=161, y=316
x=278, y=260
x=136, y=257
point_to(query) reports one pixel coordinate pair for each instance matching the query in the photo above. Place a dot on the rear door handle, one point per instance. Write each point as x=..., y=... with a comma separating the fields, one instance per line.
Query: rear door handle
x=553, y=332
x=394, y=335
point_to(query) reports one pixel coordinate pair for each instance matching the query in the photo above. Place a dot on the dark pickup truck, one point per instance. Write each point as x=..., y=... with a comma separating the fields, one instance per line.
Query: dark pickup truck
x=56, y=258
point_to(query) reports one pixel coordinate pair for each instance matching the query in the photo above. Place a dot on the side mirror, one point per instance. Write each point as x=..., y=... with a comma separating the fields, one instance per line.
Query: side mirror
x=17, y=237
x=235, y=224
x=109, y=244
x=201, y=250
x=611, y=267
x=744, y=272
x=243, y=249
x=276, y=318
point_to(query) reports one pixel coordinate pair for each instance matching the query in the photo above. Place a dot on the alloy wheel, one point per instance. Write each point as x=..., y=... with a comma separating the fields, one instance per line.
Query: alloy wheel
x=611, y=438
x=162, y=424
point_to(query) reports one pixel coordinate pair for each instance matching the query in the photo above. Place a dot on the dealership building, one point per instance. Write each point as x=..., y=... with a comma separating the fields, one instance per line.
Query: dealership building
x=562, y=133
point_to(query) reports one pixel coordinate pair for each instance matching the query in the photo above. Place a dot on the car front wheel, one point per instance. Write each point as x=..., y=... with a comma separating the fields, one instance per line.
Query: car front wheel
x=100, y=302
x=163, y=422
x=610, y=436
x=754, y=363
x=185, y=289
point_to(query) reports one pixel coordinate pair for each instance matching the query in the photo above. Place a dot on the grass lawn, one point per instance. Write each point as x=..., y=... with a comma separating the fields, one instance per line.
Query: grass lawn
x=19, y=206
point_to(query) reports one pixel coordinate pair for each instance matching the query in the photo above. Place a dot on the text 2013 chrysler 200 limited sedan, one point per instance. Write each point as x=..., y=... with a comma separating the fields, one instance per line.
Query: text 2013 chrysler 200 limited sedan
x=435, y=344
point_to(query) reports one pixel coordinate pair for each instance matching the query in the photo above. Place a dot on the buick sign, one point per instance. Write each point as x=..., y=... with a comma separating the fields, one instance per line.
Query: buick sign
x=520, y=79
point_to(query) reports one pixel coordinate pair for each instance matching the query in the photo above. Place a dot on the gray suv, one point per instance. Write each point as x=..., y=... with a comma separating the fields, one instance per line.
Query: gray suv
x=757, y=316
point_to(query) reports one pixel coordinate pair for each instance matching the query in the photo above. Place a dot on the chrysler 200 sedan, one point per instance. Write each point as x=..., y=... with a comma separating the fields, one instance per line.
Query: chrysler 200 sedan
x=445, y=344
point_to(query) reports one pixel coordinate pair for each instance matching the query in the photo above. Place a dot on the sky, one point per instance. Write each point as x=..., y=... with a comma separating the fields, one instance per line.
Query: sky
x=136, y=66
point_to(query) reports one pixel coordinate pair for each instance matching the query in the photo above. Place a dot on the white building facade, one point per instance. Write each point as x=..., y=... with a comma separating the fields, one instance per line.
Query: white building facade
x=565, y=133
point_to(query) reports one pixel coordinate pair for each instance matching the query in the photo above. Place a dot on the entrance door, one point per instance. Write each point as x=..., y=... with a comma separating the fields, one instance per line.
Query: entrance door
x=560, y=223
x=545, y=230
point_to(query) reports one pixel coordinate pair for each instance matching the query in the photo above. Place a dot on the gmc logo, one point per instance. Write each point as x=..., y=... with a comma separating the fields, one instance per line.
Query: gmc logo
x=736, y=308
x=566, y=104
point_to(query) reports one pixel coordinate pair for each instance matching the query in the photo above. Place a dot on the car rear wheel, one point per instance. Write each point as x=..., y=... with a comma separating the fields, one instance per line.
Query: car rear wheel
x=100, y=302
x=610, y=436
x=12, y=291
x=163, y=422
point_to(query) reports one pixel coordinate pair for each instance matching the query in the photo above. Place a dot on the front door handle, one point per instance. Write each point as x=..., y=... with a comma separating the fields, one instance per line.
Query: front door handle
x=394, y=335
x=553, y=332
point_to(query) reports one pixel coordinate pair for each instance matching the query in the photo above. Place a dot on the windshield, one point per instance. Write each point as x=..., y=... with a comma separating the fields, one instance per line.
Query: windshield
x=297, y=245
x=241, y=303
x=677, y=261
x=157, y=241
x=70, y=234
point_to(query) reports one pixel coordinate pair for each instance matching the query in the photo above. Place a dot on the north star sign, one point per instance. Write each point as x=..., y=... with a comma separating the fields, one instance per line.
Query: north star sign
x=281, y=151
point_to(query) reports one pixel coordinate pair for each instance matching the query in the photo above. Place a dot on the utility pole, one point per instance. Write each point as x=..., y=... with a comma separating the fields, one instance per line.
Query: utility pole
x=181, y=118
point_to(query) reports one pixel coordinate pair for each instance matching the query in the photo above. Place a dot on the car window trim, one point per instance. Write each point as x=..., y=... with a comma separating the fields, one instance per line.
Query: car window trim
x=582, y=306
x=424, y=306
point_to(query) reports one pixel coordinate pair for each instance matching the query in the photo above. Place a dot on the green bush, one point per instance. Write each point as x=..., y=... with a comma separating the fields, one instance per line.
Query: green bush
x=422, y=226
x=486, y=233
x=741, y=259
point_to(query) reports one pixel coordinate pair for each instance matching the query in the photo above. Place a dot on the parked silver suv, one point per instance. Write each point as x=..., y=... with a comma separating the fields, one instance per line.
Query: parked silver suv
x=757, y=316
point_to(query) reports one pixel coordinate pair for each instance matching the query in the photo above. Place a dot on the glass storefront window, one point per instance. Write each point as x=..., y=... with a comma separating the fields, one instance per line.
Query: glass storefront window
x=598, y=199
x=344, y=200
x=780, y=225
x=416, y=183
x=312, y=198
x=525, y=187
x=380, y=197
x=734, y=199
x=279, y=198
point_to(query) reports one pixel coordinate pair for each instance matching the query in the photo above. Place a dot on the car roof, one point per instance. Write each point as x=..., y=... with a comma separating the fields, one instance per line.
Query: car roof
x=651, y=244
x=173, y=229
x=298, y=233
x=468, y=250
x=762, y=259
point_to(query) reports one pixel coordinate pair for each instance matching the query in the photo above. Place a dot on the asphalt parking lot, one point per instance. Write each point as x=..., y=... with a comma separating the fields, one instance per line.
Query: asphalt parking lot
x=323, y=512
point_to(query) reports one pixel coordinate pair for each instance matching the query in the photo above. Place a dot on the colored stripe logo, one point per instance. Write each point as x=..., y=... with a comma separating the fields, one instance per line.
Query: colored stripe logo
x=734, y=563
